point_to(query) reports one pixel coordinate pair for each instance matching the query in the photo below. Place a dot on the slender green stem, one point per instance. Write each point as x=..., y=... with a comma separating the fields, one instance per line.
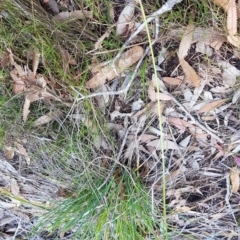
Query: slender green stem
x=160, y=127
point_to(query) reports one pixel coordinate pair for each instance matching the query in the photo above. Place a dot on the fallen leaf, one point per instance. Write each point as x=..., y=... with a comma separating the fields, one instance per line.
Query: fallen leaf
x=98, y=44
x=186, y=42
x=190, y=73
x=172, y=81
x=222, y=3
x=36, y=57
x=5, y=59
x=125, y=18
x=66, y=58
x=9, y=152
x=181, y=124
x=154, y=96
x=74, y=15
x=14, y=187
x=210, y=106
x=236, y=96
x=23, y=151
x=234, y=40
x=26, y=109
x=46, y=118
x=167, y=144
x=108, y=73
x=234, y=177
x=232, y=17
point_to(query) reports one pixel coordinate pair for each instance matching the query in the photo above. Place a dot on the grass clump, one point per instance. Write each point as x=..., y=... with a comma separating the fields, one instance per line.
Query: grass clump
x=119, y=209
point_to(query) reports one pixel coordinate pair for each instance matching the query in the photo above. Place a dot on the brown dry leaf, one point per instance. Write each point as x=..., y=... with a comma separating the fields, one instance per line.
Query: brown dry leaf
x=167, y=144
x=186, y=42
x=190, y=73
x=66, y=58
x=36, y=57
x=14, y=187
x=108, y=73
x=210, y=106
x=234, y=40
x=9, y=152
x=181, y=124
x=222, y=3
x=74, y=15
x=26, y=109
x=5, y=59
x=98, y=44
x=125, y=18
x=154, y=96
x=172, y=81
x=23, y=151
x=232, y=18
x=234, y=177
x=46, y=118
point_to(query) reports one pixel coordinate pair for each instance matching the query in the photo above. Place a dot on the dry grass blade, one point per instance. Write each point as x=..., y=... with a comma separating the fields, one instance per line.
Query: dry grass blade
x=186, y=42
x=210, y=106
x=234, y=177
x=232, y=18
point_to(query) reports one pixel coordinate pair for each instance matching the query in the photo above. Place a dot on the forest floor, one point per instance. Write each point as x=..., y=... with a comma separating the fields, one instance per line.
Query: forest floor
x=119, y=119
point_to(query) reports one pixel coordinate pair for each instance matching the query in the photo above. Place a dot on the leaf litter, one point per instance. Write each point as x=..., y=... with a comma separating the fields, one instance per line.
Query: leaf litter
x=195, y=169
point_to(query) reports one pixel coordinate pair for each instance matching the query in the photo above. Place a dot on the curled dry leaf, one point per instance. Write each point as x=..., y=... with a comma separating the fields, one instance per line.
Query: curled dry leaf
x=232, y=17
x=190, y=73
x=74, y=15
x=234, y=177
x=108, y=73
x=186, y=42
x=210, y=106
x=36, y=57
x=125, y=18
